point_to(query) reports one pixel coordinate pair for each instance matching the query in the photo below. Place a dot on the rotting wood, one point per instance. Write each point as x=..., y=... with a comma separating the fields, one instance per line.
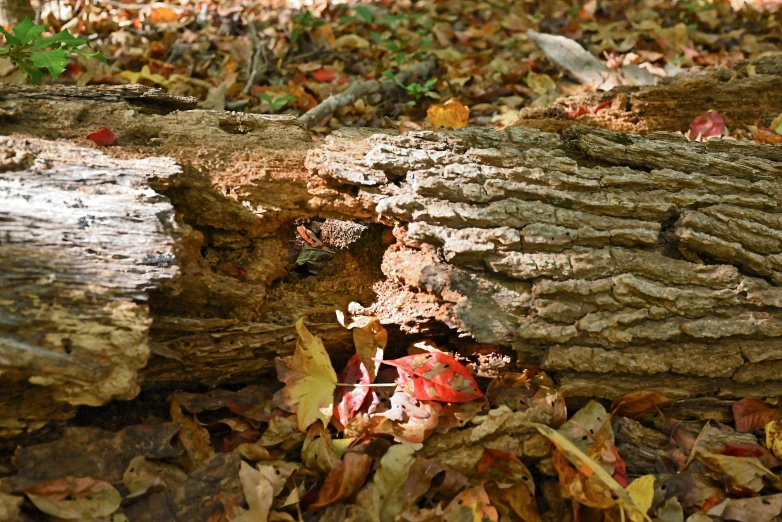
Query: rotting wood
x=671, y=105
x=618, y=262
x=82, y=241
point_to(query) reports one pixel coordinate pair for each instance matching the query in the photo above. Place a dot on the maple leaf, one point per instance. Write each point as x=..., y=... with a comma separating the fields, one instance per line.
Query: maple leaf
x=309, y=380
x=437, y=377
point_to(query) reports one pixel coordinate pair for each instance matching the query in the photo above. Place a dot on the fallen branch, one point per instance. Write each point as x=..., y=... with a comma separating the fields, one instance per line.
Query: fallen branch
x=361, y=89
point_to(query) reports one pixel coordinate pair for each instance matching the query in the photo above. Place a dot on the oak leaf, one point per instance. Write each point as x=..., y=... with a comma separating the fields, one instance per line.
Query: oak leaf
x=309, y=380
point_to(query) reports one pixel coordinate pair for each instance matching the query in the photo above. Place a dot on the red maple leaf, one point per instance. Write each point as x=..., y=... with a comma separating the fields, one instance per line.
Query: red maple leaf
x=437, y=377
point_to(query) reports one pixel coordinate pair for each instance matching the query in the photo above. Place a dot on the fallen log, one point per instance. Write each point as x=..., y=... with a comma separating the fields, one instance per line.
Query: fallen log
x=617, y=262
x=749, y=93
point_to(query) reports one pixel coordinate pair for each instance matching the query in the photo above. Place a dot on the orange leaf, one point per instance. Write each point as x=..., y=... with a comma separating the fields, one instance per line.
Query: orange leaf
x=453, y=114
x=162, y=14
x=752, y=414
x=344, y=480
x=636, y=404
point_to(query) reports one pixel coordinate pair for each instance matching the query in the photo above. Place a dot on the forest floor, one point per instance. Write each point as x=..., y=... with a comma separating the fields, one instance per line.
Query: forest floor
x=438, y=443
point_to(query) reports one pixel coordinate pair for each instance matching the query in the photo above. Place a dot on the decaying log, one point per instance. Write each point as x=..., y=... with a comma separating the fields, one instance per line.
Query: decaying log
x=617, y=262
x=82, y=241
x=749, y=93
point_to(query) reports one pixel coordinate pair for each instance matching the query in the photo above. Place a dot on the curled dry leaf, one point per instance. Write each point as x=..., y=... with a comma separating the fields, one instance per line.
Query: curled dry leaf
x=350, y=398
x=194, y=437
x=344, y=480
x=637, y=404
x=370, y=339
x=452, y=114
x=258, y=493
x=309, y=380
x=708, y=125
x=504, y=468
x=590, y=469
x=753, y=414
x=755, y=509
x=74, y=498
x=438, y=377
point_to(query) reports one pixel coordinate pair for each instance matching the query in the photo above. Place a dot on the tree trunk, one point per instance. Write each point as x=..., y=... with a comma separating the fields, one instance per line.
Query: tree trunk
x=616, y=261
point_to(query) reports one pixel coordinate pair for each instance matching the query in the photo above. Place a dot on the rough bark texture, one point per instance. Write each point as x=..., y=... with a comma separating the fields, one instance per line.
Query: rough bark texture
x=618, y=262
x=746, y=95
x=82, y=241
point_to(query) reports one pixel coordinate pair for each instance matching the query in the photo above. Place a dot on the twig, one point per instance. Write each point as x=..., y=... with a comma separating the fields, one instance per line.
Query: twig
x=361, y=89
x=253, y=64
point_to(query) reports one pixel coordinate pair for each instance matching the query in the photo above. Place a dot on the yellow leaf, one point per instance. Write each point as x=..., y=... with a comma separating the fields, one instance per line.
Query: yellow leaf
x=309, y=380
x=144, y=74
x=641, y=490
x=453, y=114
x=540, y=83
x=774, y=438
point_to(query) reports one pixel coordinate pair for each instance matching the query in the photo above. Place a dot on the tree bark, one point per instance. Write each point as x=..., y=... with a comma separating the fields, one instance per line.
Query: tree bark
x=748, y=94
x=618, y=262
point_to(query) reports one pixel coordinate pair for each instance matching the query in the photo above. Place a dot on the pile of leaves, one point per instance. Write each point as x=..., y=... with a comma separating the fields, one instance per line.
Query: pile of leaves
x=415, y=438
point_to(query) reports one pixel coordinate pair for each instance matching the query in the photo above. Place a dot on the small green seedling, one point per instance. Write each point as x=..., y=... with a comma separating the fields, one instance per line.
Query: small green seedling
x=414, y=90
x=33, y=53
x=305, y=20
x=279, y=103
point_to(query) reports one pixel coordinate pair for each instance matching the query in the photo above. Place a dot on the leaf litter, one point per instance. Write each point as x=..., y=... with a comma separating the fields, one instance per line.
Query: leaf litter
x=420, y=437
x=426, y=441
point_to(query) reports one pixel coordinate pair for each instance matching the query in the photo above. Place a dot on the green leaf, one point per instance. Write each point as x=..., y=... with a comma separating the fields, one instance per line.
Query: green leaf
x=54, y=60
x=11, y=39
x=34, y=74
x=96, y=55
x=27, y=31
x=778, y=130
x=365, y=13
x=63, y=37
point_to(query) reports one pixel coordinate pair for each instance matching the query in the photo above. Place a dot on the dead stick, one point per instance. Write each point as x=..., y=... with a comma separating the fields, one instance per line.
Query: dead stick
x=361, y=89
